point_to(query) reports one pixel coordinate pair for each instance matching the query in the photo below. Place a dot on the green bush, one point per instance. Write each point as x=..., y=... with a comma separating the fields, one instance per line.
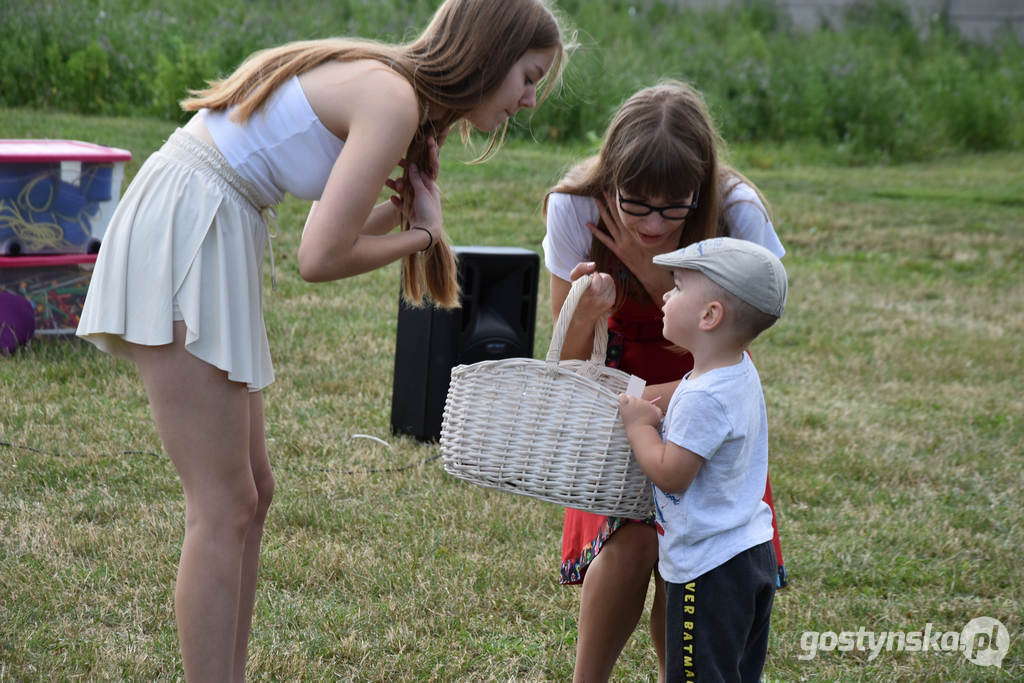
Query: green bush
x=879, y=89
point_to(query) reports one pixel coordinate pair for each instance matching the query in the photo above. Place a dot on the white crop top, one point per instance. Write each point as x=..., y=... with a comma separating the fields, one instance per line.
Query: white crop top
x=282, y=148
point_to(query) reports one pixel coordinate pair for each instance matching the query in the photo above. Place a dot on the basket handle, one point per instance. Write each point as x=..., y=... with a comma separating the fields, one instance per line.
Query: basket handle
x=600, y=348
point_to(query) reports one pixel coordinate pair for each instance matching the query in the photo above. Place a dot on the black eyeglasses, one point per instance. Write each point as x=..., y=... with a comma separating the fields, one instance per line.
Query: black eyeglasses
x=673, y=212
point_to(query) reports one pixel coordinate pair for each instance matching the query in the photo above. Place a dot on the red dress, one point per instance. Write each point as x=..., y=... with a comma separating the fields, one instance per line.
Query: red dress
x=636, y=346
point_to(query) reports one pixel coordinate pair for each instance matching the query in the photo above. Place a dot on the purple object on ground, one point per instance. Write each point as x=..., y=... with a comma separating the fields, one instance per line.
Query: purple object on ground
x=17, y=321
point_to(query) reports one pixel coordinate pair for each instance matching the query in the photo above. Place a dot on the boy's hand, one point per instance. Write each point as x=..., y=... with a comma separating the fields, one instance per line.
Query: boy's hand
x=637, y=411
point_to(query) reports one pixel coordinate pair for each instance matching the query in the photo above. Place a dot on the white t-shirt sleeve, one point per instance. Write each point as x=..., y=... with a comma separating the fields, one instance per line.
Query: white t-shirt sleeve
x=748, y=219
x=567, y=240
x=697, y=423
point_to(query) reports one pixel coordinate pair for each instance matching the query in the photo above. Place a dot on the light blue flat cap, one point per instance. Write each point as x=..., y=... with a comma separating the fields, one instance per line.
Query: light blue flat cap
x=747, y=270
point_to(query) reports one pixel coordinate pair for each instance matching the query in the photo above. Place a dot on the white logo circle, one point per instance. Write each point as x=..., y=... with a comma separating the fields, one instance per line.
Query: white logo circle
x=985, y=641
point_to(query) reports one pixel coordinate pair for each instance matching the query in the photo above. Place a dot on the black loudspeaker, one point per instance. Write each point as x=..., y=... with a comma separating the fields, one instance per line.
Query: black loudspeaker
x=496, y=320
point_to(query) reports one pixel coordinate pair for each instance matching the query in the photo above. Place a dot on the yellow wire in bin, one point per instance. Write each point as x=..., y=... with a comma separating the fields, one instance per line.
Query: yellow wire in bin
x=25, y=198
x=34, y=220
x=35, y=235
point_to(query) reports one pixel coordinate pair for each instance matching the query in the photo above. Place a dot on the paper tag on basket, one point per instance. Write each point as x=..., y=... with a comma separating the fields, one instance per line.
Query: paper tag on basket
x=636, y=386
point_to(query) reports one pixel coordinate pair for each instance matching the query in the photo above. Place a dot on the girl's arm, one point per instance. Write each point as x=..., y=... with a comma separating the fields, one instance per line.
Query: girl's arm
x=384, y=218
x=579, y=338
x=382, y=118
x=387, y=215
x=597, y=301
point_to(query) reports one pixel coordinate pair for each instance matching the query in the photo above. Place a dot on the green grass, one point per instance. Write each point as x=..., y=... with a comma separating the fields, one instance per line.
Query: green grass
x=895, y=409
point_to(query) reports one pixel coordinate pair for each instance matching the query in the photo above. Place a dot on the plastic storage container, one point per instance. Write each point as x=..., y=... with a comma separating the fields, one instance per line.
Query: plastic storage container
x=55, y=285
x=57, y=196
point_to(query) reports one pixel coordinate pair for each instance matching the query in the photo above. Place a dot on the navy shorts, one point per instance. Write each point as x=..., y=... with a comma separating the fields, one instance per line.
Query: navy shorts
x=716, y=626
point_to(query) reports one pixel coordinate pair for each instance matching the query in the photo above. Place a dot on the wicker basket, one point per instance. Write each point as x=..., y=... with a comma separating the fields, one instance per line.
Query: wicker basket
x=547, y=429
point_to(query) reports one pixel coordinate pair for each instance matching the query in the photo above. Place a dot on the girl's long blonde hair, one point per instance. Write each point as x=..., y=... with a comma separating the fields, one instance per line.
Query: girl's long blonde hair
x=661, y=142
x=464, y=54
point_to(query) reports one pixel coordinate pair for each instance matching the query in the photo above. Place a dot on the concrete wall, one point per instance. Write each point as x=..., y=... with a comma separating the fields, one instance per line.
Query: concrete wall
x=981, y=18
x=977, y=19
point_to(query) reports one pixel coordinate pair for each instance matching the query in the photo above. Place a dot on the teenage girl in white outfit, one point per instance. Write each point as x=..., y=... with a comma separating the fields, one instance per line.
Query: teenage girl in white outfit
x=177, y=285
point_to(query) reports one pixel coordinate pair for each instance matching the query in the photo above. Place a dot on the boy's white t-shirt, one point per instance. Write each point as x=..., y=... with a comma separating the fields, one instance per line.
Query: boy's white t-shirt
x=721, y=417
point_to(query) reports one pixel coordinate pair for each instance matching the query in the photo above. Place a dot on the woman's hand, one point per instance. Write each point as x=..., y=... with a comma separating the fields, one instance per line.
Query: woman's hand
x=599, y=298
x=426, y=195
x=398, y=185
x=637, y=259
x=426, y=203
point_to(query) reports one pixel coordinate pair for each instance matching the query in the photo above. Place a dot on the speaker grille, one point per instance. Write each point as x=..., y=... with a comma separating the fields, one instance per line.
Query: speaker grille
x=496, y=320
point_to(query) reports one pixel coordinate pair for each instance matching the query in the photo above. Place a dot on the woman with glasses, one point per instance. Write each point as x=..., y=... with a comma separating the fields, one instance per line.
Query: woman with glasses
x=656, y=185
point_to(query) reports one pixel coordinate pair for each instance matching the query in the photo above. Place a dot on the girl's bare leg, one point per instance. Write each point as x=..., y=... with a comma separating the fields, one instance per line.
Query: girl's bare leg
x=204, y=423
x=614, y=591
x=264, y=479
x=658, y=624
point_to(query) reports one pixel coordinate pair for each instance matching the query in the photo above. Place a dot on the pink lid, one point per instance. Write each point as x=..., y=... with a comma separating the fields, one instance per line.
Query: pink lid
x=45, y=260
x=59, y=150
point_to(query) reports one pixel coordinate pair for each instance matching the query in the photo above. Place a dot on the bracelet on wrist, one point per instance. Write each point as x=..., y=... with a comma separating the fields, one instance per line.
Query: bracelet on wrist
x=430, y=236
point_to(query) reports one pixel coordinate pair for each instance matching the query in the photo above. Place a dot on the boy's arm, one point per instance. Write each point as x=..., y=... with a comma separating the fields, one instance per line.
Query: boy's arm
x=672, y=468
x=675, y=470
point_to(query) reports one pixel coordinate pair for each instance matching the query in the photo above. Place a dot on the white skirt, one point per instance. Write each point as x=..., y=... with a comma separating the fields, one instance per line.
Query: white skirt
x=186, y=242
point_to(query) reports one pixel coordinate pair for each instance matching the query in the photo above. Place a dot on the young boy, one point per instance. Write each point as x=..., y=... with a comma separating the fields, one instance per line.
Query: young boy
x=709, y=466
